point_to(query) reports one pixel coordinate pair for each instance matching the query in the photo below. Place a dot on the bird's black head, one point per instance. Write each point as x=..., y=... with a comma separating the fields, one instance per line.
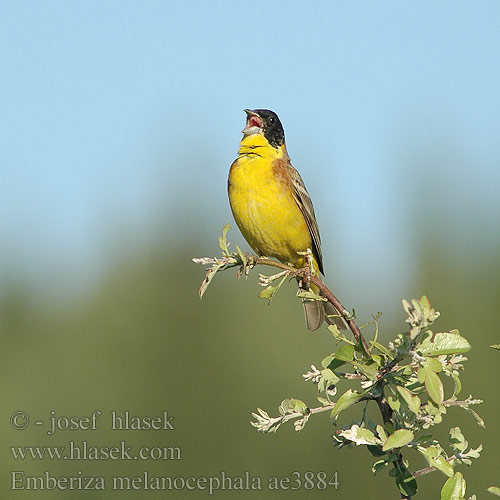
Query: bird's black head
x=266, y=122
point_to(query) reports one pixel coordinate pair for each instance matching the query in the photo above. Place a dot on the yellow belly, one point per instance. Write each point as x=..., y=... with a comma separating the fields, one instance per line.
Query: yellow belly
x=266, y=212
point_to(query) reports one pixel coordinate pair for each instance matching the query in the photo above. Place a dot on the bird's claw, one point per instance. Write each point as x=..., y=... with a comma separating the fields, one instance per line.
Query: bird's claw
x=303, y=275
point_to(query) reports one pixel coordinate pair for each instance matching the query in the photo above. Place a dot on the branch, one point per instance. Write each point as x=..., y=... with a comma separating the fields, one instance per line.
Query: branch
x=326, y=292
x=419, y=345
x=245, y=262
x=465, y=402
x=265, y=423
x=431, y=468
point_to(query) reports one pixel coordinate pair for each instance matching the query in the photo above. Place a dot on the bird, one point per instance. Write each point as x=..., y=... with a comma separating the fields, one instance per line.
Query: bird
x=273, y=209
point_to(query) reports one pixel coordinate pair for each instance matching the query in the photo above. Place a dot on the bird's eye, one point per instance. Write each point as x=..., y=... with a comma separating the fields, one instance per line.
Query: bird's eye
x=272, y=120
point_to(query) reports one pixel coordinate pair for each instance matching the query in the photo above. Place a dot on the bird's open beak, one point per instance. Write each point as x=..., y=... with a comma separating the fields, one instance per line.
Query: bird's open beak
x=254, y=123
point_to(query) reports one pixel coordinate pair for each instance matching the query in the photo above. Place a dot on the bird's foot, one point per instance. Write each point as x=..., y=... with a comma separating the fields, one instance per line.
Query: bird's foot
x=303, y=276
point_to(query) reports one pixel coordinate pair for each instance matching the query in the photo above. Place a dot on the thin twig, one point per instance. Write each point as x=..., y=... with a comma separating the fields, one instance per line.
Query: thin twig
x=428, y=470
x=343, y=311
x=467, y=402
x=328, y=295
x=385, y=409
x=311, y=411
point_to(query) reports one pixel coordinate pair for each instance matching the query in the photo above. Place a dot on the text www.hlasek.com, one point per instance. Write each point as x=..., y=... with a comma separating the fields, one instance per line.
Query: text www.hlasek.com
x=83, y=451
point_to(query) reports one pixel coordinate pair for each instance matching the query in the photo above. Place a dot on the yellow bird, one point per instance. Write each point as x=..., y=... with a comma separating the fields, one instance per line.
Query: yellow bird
x=272, y=206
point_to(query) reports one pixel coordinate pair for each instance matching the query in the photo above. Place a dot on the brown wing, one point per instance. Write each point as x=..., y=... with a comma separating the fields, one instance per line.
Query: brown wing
x=306, y=207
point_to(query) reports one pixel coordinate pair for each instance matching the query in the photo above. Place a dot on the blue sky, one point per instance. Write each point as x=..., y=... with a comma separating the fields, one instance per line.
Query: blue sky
x=117, y=113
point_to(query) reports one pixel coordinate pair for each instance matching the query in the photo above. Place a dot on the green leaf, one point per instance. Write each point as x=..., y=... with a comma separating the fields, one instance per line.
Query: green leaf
x=267, y=293
x=209, y=277
x=378, y=360
x=382, y=349
x=394, y=403
x=426, y=305
x=345, y=353
x=412, y=401
x=430, y=452
x=446, y=343
x=381, y=433
x=326, y=361
x=400, y=438
x=434, y=458
x=433, y=365
x=334, y=363
x=458, y=442
x=425, y=340
x=423, y=438
x=465, y=457
x=224, y=246
x=454, y=488
x=431, y=409
x=420, y=314
x=406, y=483
x=367, y=436
x=369, y=369
x=434, y=387
x=327, y=379
x=345, y=401
x=441, y=464
x=375, y=450
x=456, y=383
x=311, y=296
x=329, y=376
x=334, y=329
x=379, y=465
x=494, y=490
x=475, y=416
x=293, y=405
x=242, y=256
x=360, y=435
x=421, y=374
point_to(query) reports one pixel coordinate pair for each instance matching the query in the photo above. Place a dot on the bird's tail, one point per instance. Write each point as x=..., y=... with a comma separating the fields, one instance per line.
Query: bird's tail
x=317, y=311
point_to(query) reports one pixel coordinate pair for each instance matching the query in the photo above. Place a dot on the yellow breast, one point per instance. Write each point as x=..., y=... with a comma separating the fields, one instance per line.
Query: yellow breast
x=263, y=205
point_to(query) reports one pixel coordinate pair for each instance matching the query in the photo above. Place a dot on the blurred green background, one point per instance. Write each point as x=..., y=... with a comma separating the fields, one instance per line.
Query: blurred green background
x=119, y=124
